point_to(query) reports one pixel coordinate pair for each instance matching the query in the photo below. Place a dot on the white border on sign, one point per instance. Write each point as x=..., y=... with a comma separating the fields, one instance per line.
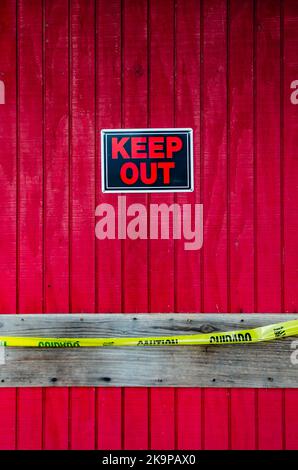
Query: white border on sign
x=161, y=130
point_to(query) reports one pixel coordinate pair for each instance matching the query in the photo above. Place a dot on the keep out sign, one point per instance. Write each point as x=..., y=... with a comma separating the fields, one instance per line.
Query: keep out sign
x=147, y=160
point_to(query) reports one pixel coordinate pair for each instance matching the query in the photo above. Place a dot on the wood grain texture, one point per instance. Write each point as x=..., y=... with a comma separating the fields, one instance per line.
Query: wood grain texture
x=108, y=255
x=268, y=256
x=188, y=296
x=214, y=155
x=8, y=200
x=30, y=206
x=241, y=199
x=135, y=273
x=82, y=175
x=161, y=47
x=289, y=171
x=56, y=198
x=206, y=366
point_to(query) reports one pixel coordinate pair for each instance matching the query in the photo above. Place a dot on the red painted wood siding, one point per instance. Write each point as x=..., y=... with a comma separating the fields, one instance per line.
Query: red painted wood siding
x=222, y=67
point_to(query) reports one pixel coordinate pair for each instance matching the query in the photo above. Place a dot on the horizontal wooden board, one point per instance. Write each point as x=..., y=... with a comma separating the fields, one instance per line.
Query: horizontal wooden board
x=256, y=365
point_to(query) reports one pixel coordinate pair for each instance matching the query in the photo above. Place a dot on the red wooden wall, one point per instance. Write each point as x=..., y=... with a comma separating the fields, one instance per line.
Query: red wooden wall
x=223, y=67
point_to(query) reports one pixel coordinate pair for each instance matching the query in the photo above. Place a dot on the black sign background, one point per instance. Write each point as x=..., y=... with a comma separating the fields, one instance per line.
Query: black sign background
x=181, y=177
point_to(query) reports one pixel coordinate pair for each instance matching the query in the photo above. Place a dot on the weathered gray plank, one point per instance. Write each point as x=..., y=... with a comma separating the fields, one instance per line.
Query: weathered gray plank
x=260, y=365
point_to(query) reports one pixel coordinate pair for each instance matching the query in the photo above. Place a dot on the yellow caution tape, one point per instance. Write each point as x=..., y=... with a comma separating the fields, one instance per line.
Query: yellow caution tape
x=255, y=335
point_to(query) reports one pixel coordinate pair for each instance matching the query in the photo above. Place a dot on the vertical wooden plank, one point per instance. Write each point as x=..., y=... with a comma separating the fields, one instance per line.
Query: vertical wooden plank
x=290, y=193
x=8, y=158
x=29, y=422
x=162, y=419
x=30, y=22
x=30, y=156
x=135, y=253
x=109, y=425
x=8, y=130
x=243, y=419
x=268, y=256
x=290, y=429
x=161, y=114
x=270, y=419
x=290, y=163
x=241, y=197
x=56, y=200
x=82, y=200
x=108, y=252
x=268, y=155
x=214, y=197
x=108, y=100
x=187, y=278
x=216, y=419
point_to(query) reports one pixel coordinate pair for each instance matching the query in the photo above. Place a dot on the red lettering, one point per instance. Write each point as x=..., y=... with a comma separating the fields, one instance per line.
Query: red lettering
x=138, y=145
x=174, y=144
x=155, y=145
x=134, y=173
x=118, y=147
x=166, y=167
x=130, y=173
x=153, y=173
